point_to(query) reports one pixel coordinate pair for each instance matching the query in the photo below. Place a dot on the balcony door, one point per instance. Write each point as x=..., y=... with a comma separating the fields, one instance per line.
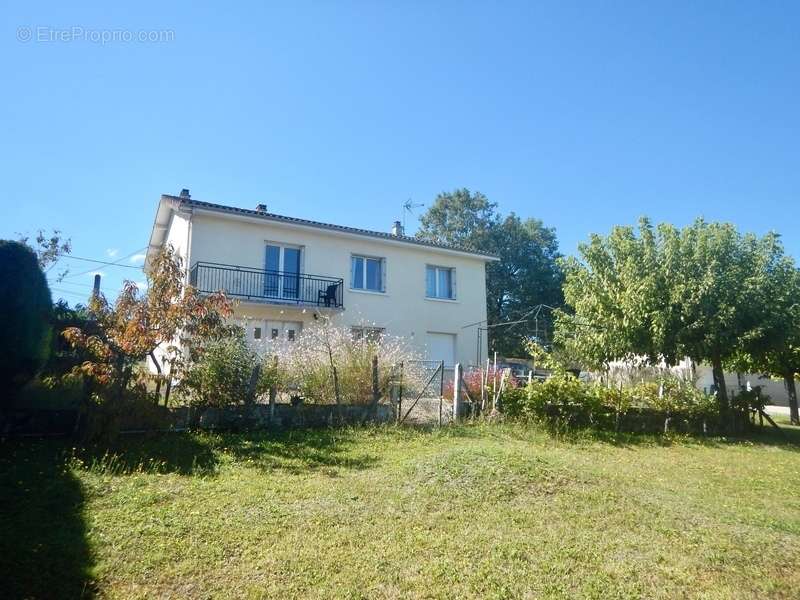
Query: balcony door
x=283, y=272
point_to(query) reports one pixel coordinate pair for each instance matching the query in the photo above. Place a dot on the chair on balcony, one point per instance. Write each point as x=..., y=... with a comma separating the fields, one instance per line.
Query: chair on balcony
x=328, y=295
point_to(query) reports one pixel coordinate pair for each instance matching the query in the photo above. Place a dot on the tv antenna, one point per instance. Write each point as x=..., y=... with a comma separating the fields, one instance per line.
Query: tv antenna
x=408, y=209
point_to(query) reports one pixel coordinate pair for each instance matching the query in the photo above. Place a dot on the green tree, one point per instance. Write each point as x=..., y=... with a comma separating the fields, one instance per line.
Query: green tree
x=527, y=273
x=616, y=298
x=662, y=294
x=717, y=281
x=25, y=304
x=774, y=349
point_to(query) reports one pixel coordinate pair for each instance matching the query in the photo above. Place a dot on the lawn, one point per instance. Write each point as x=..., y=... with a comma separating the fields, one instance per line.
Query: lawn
x=471, y=512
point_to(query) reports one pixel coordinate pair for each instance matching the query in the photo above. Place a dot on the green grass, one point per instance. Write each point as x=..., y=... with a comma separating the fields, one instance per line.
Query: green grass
x=468, y=512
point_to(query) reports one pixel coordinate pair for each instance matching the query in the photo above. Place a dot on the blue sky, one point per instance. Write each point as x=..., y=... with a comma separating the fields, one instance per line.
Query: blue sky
x=581, y=114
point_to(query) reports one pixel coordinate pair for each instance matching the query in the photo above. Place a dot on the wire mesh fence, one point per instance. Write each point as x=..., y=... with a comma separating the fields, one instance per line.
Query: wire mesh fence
x=421, y=397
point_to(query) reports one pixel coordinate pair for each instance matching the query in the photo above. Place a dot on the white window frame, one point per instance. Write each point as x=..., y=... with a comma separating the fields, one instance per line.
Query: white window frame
x=436, y=269
x=364, y=287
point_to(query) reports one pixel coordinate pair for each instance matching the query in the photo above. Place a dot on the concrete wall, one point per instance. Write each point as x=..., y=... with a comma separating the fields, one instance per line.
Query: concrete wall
x=403, y=308
x=260, y=416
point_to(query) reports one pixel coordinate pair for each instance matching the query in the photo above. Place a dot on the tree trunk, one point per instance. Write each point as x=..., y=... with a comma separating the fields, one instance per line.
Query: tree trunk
x=790, y=387
x=169, y=387
x=158, y=379
x=722, y=391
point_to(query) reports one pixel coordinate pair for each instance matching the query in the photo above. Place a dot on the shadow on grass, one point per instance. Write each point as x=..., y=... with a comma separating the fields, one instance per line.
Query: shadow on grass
x=43, y=548
x=182, y=453
x=297, y=451
x=787, y=438
x=202, y=453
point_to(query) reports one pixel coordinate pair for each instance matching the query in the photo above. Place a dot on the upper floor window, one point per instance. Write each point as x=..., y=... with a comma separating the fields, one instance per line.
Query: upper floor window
x=440, y=282
x=367, y=273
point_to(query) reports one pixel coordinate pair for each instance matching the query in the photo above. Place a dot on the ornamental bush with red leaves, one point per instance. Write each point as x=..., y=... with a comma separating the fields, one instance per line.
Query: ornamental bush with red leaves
x=152, y=325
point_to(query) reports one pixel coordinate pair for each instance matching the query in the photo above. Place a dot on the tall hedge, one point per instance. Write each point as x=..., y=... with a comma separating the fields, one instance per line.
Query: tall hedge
x=25, y=307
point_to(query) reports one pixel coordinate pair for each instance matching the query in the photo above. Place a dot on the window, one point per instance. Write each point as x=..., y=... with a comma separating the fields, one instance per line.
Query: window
x=274, y=334
x=290, y=334
x=440, y=282
x=256, y=333
x=367, y=273
x=371, y=334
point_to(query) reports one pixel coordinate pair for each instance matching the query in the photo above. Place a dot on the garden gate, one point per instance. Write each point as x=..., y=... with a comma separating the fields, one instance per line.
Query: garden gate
x=420, y=393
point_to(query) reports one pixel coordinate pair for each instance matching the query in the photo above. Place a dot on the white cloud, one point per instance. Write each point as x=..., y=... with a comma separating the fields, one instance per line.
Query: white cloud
x=138, y=258
x=112, y=252
x=142, y=285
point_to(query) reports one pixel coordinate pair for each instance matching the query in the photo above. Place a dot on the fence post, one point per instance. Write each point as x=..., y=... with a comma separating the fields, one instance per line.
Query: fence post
x=273, y=391
x=376, y=393
x=457, y=392
x=400, y=395
x=441, y=391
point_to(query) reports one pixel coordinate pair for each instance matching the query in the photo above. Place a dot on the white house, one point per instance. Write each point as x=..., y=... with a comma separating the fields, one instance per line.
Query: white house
x=285, y=272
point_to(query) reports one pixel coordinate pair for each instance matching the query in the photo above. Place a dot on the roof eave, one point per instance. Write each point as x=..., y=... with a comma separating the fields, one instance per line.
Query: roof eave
x=280, y=220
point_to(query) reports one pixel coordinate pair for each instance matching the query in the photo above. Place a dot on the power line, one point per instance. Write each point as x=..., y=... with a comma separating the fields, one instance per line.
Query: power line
x=103, y=262
x=83, y=285
x=71, y=293
x=112, y=264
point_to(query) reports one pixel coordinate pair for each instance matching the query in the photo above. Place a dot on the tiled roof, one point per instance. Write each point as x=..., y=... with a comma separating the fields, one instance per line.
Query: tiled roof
x=308, y=223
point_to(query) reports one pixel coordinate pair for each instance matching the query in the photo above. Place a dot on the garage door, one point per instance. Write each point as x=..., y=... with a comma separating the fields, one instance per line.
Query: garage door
x=442, y=346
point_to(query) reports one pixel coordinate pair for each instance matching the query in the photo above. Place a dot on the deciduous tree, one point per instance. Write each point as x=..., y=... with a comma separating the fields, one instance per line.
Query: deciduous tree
x=662, y=294
x=527, y=273
x=136, y=325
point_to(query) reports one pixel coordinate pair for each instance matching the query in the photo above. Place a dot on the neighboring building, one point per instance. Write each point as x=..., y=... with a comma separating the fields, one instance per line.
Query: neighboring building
x=774, y=389
x=286, y=272
x=703, y=378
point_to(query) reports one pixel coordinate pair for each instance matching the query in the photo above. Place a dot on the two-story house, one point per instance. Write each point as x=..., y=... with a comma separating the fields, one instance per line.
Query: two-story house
x=286, y=272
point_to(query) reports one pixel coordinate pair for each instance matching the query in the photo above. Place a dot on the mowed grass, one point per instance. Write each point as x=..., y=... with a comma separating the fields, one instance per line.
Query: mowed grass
x=489, y=511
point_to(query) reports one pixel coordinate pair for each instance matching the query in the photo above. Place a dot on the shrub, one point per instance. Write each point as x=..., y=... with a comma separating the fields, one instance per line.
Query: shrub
x=108, y=413
x=565, y=401
x=25, y=304
x=472, y=382
x=222, y=373
x=306, y=365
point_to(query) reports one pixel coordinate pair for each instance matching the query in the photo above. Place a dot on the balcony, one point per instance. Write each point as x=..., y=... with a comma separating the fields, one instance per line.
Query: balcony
x=273, y=287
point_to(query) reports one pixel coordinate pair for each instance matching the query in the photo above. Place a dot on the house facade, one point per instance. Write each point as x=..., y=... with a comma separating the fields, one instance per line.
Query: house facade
x=286, y=273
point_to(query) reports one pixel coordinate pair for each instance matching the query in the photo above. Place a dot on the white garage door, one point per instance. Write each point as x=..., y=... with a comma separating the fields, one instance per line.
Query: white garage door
x=442, y=346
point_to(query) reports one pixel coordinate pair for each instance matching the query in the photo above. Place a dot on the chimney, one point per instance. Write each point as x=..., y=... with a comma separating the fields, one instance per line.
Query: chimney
x=185, y=193
x=397, y=229
x=262, y=208
x=96, y=286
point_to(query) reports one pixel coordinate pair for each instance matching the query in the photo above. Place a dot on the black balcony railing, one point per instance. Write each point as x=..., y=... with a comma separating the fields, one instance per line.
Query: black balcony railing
x=277, y=287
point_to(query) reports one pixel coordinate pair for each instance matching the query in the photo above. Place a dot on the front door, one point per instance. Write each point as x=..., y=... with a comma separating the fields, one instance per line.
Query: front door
x=283, y=272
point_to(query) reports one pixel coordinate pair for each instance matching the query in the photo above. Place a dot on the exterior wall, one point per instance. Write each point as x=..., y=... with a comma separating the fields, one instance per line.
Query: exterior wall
x=178, y=235
x=774, y=388
x=704, y=379
x=403, y=309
